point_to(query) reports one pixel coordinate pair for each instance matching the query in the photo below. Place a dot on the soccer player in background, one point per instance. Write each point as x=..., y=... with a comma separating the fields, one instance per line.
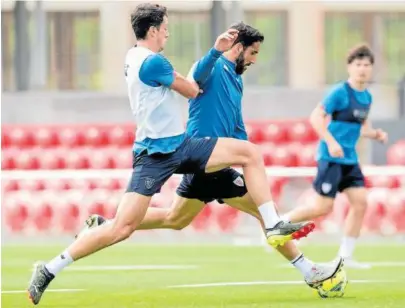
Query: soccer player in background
x=218, y=113
x=340, y=120
x=162, y=149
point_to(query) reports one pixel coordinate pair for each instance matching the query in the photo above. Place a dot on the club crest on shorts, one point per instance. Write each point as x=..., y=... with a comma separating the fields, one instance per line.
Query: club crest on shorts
x=149, y=182
x=326, y=187
x=239, y=182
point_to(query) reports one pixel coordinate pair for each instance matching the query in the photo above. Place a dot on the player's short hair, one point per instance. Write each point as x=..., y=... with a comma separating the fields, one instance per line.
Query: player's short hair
x=360, y=52
x=147, y=15
x=247, y=34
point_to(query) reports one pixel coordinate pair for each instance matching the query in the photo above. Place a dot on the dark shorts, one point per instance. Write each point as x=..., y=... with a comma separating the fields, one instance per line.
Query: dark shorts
x=207, y=187
x=333, y=178
x=150, y=172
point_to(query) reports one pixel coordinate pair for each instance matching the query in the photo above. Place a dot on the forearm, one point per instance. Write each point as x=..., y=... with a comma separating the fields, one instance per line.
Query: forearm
x=320, y=125
x=205, y=65
x=368, y=132
x=186, y=88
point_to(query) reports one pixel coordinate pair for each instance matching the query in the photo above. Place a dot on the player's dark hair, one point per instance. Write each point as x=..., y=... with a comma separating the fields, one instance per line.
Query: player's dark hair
x=147, y=15
x=360, y=52
x=247, y=35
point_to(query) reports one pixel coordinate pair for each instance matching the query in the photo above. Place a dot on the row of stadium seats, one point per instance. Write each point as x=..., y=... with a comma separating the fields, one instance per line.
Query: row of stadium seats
x=109, y=147
x=101, y=135
x=113, y=184
x=114, y=157
x=64, y=212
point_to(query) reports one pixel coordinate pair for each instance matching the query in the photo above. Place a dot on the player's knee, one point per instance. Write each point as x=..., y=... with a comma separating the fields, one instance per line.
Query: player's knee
x=175, y=222
x=360, y=206
x=121, y=232
x=252, y=154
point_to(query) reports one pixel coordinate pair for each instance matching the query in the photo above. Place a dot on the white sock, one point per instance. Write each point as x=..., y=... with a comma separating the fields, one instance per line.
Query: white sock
x=285, y=217
x=269, y=214
x=302, y=264
x=347, y=247
x=59, y=263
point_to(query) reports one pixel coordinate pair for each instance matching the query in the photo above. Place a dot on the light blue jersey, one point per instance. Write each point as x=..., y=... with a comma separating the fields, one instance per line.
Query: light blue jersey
x=218, y=111
x=348, y=109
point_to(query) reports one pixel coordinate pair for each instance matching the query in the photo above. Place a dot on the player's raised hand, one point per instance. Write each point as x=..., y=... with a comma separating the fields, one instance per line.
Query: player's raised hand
x=381, y=136
x=226, y=40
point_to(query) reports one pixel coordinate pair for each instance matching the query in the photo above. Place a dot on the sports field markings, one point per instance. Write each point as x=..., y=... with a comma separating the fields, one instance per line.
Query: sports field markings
x=92, y=268
x=49, y=290
x=251, y=283
x=373, y=264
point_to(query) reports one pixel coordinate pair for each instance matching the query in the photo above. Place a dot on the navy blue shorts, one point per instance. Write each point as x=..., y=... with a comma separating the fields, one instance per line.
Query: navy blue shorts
x=207, y=187
x=333, y=178
x=150, y=172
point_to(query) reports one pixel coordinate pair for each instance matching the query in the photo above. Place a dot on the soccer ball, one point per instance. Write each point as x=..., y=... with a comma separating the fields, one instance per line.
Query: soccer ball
x=333, y=287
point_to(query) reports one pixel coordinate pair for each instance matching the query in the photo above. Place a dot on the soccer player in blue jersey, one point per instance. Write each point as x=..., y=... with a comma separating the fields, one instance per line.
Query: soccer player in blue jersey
x=162, y=148
x=340, y=120
x=218, y=113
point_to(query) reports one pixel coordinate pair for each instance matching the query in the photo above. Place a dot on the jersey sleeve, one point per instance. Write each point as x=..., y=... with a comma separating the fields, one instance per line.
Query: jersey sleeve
x=204, y=67
x=157, y=71
x=334, y=99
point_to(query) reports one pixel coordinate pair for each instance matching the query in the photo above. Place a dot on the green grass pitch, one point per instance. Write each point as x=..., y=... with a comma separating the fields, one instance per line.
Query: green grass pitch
x=131, y=287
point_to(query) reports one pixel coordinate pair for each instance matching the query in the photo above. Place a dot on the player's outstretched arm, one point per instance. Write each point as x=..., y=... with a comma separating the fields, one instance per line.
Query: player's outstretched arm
x=186, y=88
x=157, y=71
x=204, y=67
x=377, y=134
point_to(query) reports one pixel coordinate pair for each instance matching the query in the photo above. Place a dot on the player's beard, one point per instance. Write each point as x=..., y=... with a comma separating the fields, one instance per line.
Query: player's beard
x=240, y=64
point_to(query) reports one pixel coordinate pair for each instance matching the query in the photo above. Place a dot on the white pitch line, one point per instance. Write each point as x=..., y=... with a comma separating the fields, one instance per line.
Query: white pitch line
x=90, y=268
x=50, y=290
x=372, y=264
x=251, y=283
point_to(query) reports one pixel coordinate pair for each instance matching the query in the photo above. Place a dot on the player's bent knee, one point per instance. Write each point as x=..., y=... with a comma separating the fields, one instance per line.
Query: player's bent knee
x=120, y=232
x=252, y=154
x=176, y=223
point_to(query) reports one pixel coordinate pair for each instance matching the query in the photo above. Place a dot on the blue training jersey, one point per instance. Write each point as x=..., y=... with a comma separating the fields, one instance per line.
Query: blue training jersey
x=348, y=109
x=217, y=112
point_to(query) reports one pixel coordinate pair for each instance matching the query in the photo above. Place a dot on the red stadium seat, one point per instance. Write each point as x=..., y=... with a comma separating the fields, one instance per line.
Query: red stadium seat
x=10, y=185
x=21, y=137
x=267, y=150
x=8, y=159
x=51, y=159
x=31, y=185
x=275, y=132
x=255, y=132
x=46, y=137
x=396, y=154
x=396, y=210
x=100, y=159
x=76, y=160
x=122, y=136
x=307, y=156
x=227, y=218
x=17, y=213
x=95, y=136
x=71, y=137
x=5, y=137
x=27, y=160
x=202, y=220
x=283, y=157
x=122, y=158
x=376, y=209
x=301, y=131
x=383, y=181
x=42, y=213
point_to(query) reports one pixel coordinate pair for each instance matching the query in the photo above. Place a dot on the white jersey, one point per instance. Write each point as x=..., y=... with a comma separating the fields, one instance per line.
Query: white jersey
x=156, y=109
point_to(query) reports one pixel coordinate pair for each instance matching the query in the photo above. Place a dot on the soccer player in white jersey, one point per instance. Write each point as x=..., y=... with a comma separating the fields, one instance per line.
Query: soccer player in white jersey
x=162, y=149
x=218, y=112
